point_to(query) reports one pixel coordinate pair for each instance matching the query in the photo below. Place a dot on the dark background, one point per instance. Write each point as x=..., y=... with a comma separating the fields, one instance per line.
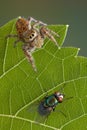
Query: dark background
x=69, y=12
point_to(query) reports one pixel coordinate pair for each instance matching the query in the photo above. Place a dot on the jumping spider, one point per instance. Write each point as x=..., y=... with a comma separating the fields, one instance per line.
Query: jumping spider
x=31, y=36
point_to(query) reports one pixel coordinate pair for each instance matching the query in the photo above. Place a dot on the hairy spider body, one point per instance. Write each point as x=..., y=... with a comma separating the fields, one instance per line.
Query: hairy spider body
x=21, y=27
x=31, y=36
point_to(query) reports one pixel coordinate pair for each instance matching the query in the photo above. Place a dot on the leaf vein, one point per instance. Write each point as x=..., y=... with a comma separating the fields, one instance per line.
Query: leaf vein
x=45, y=94
x=72, y=121
x=4, y=61
x=28, y=120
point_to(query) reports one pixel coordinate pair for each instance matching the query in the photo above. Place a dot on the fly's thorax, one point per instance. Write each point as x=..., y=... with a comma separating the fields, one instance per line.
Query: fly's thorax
x=50, y=101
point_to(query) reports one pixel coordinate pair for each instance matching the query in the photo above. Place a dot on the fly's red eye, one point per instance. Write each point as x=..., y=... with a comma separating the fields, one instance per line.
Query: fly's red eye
x=60, y=99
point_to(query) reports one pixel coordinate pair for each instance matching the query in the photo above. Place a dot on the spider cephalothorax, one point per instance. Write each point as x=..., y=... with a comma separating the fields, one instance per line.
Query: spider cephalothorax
x=31, y=36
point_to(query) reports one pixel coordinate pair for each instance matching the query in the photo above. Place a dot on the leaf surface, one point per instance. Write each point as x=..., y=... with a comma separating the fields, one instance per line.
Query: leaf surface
x=20, y=86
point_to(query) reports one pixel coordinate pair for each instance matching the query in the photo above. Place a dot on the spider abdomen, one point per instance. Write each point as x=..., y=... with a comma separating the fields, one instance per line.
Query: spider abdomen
x=21, y=26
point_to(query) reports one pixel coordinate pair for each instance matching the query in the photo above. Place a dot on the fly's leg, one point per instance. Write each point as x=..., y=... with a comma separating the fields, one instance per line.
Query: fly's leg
x=27, y=52
x=46, y=32
x=62, y=113
x=53, y=108
x=68, y=98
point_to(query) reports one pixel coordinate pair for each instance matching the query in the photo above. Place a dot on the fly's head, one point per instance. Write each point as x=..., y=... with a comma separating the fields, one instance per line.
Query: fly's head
x=59, y=97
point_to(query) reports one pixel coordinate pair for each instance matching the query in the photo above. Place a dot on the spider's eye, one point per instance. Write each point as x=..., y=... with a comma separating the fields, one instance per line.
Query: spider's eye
x=30, y=37
x=32, y=34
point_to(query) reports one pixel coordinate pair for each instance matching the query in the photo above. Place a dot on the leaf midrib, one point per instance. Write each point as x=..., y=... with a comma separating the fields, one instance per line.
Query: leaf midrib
x=28, y=120
x=34, y=122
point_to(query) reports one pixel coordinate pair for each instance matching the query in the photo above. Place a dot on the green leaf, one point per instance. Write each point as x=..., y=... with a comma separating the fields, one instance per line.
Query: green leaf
x=20, y=86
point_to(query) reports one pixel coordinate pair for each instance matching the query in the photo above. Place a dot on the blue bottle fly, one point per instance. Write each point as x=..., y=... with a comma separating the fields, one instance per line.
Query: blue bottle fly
x=49, y=103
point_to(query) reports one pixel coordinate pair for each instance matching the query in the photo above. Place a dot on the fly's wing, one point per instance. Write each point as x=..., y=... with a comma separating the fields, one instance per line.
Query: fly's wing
x=38, y=113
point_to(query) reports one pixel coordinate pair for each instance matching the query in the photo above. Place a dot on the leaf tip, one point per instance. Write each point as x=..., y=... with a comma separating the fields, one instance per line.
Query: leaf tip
x=78, y=49
x=19, y=17
x=59, y=47
x=67, y=25
x=75, y=56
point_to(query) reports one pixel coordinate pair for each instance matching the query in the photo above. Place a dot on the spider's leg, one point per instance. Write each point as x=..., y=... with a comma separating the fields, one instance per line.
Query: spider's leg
x=45, y=32
x=54, y=33
x=39, y=23
x=28, y=54
x=36, y=23
x=11, y=35
x=30, y=19
x=15, y=43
